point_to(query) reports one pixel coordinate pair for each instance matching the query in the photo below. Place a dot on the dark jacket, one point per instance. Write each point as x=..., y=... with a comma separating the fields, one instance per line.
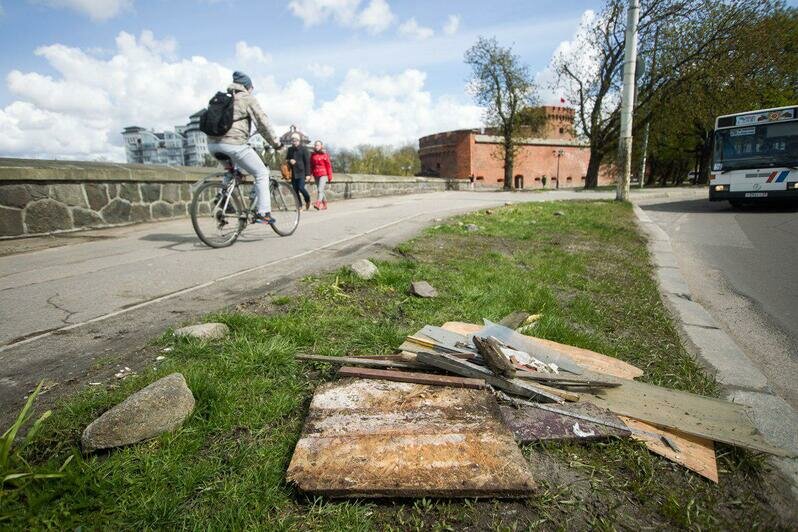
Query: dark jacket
x=301, y=169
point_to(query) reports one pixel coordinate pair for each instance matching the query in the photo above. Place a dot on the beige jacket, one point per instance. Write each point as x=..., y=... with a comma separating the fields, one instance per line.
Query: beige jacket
x=246, y=110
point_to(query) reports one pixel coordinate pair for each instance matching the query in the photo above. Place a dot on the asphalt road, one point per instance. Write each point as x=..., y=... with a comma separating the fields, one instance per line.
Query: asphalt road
x=74, y=313
x=740, y=265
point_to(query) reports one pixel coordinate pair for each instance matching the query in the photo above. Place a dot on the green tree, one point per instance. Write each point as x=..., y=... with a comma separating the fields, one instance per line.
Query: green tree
x=503, y=85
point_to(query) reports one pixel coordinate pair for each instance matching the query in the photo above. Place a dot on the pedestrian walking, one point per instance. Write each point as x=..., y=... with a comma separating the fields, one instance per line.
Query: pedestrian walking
x=321, y=168
x=299, y=160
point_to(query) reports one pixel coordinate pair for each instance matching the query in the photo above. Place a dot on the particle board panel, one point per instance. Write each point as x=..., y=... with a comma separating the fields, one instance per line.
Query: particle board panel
x=696, y=454
x=584, y=357
x=377, y=438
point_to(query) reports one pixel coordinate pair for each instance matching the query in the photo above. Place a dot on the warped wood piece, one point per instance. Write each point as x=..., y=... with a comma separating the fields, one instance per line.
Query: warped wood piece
x=695, y=453
x=490, y=349
x=562, y=380
x=584, y=357
x=706, y=417
x=408, y=376
x=530, y=424
x=465, y=368
x=358, y=361
x=375, y=438
x=514, y=320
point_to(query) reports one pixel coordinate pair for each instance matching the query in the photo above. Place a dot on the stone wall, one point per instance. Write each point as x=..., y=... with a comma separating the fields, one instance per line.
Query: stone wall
x=41, y=197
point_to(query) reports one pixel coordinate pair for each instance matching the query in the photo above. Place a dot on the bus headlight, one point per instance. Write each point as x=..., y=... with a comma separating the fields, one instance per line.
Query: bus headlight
x=720, y=188
x=792, y=186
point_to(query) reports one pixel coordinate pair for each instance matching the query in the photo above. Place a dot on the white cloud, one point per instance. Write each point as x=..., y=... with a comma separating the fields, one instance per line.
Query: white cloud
x=411, y=28
x=251, y=55
x=321, y=71
x=452, y=25
x=95, y=9
x=79, y=111
x=375, y=17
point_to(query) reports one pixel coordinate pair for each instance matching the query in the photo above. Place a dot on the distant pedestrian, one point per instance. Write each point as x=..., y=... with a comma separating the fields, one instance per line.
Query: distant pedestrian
x=471, y=180
x=322, y=173
x=299, y=159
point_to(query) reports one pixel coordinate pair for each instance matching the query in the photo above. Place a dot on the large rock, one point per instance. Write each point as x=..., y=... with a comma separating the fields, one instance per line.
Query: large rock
x=118, y=211
x=204, y=331
x=171, y=193
x=86, y=218
x=364, y=269
x=46, y=215
x=423, y=289
x=14, y=195
x=130, y=192
x=10, y=222
x=69, y=194
x=160, y=407
x=97, y=194
x=161, y=210
x=150, y=192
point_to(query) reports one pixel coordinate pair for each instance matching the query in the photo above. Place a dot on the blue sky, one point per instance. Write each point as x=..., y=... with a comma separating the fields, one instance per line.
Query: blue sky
x=73, y=72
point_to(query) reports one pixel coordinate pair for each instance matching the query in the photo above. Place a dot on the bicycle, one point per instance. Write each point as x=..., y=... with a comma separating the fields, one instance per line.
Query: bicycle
x=221, y=209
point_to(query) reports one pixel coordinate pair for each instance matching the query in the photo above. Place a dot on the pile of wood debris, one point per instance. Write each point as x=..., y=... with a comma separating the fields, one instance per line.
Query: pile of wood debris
x=443, y=416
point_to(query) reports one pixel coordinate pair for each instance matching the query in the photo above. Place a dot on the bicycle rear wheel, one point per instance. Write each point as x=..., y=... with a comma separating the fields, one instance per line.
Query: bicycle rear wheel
x=285, y=207
x=217, y=226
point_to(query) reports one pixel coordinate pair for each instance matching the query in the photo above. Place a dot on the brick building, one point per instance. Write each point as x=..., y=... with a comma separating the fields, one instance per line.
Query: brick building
x=555, y=154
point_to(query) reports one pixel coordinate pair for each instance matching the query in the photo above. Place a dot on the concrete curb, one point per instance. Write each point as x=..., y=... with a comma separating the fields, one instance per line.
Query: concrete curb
x=742, y=381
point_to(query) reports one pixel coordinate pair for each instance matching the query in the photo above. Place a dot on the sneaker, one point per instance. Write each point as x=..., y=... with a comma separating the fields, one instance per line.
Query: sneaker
x=263, y=219
x=317, y=205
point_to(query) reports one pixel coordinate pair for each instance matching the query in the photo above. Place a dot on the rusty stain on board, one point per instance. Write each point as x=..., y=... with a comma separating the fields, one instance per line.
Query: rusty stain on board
x=375, y=438
x=530, y=424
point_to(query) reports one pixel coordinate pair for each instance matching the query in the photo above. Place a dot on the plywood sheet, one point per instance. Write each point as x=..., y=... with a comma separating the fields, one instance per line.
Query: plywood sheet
x=529, y=424
x=375, y=438
x=705, y=417
x=696, y=454
x=584, y=357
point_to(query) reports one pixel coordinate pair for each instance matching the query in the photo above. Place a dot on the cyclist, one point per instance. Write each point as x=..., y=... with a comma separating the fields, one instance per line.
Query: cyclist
x=234, y=143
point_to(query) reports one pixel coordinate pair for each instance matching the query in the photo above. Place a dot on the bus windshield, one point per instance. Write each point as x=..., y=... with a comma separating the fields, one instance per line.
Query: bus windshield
x=757, y=146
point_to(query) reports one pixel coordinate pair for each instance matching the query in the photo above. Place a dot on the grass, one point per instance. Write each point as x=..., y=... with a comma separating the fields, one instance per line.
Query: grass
x=587, y=271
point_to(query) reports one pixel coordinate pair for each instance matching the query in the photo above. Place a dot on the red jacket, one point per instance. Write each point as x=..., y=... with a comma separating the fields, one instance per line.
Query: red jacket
x=320, y=164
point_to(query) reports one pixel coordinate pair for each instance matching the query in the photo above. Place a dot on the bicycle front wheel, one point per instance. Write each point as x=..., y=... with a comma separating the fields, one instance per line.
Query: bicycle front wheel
x=285, y=207
x=217, y=220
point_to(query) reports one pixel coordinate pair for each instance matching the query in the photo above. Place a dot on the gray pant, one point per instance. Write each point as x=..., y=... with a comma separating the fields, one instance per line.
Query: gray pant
x=321, y=184
x=248, y=160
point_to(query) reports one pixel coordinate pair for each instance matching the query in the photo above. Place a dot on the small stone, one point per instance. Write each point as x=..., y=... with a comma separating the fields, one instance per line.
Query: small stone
x=166, y=350
x=559, y=213
x=437, y=219
x=159, y=358
x=204, y=331
x=471, y=228
x=423, y=289
x=365, y=269
x=95, y=384
x=489, y=211
x=160, y=407
x=508, y=203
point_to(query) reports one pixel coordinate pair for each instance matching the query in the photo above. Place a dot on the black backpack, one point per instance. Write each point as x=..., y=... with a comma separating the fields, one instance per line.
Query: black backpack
x=217, y=119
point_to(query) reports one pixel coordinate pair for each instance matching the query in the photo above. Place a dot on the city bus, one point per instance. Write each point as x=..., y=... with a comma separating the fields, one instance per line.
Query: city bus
x=755, y=157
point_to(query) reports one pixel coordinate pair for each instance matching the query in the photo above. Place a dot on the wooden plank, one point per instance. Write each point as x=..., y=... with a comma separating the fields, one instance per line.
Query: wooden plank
x=584, y=357
x=705, y=417
x=407, y=376
x=530, y=424
x=467, y=369
x=563, y=380
x=514, y=320
x=374, y=438
x=358, y=361
x=490, y=349
x=695, y=453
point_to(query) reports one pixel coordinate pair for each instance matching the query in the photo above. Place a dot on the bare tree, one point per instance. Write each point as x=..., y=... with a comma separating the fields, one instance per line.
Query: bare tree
x=503, y=85
x=690, y=32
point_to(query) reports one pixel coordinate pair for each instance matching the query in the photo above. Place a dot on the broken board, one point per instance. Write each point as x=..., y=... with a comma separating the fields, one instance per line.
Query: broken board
x=411, y=376
x=529, y=424
x=375, y=438
x=695, y=453
x=584, y=357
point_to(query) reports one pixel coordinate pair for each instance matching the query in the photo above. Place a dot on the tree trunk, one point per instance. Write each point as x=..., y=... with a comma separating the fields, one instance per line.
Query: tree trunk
x=508, y=168
x=591, y=179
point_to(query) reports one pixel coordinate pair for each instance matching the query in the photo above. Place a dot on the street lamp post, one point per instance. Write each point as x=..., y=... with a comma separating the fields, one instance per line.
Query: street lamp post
x=558, y=154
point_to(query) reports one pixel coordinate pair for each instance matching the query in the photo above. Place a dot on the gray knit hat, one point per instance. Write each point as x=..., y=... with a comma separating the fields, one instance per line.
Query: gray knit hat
x=242, y=79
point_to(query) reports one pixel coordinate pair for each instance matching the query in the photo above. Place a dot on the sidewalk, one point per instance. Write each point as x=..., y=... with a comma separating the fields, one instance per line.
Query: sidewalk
x=741, y=379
